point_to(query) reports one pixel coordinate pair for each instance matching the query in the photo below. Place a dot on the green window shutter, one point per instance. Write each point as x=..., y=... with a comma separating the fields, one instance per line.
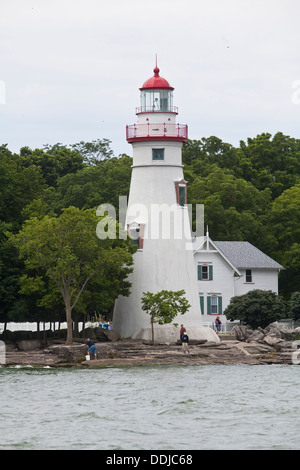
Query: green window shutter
x=208, y=305
x=199, y=272
x=202, y=304
x=210, y=272
x=220, y=305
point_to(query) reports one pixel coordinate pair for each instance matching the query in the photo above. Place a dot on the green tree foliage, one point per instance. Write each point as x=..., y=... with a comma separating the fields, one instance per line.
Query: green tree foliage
x=283, y=224
x=257, y=308
x=92, y=186
x=94, y=152
x=164, y=306
x=53, y=161
x=295, y=305
x=19, y=185
x=71, y=255
x=250, y=193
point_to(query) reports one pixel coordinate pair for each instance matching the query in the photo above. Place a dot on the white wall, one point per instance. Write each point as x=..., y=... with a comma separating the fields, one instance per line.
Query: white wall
x=261, y=279
x=222, y=282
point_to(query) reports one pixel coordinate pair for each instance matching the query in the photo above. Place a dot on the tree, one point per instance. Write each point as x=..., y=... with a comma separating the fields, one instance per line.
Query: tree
x=283, y=222
x=94, y=152
x=53, y=161
x=18, y=186
x=164, y=306
x=68, y=250
x=92, y=186
x=295, y=306
x=257, y=308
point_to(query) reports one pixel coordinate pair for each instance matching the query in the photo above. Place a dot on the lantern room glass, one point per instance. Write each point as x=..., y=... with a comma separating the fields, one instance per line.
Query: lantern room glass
x=156, y=101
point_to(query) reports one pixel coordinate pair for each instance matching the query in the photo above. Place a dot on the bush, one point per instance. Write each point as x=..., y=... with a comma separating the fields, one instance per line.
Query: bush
x=256, y=308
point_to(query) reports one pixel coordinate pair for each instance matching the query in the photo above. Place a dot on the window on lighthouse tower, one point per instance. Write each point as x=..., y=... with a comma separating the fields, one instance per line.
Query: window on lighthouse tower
x=158, y=154
x=181, y=195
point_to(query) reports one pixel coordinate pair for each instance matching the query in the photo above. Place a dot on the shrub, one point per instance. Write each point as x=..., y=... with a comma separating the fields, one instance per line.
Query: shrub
x=256, y=308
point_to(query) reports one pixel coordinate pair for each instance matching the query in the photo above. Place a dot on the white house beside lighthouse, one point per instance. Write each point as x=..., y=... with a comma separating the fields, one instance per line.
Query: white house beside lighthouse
x=157, y=218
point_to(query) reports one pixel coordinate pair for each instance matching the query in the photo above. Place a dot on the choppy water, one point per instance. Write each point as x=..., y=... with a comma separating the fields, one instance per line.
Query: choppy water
x=159, y=407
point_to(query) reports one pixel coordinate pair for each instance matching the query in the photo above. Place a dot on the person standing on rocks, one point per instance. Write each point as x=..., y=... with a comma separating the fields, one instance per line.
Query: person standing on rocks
x=218, y=324
x=181, y=332
x=185, y=342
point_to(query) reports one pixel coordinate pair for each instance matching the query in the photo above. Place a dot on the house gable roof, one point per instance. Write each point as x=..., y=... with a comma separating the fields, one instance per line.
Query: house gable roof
x=239, y=255
x=245, y=255
x=205, y=244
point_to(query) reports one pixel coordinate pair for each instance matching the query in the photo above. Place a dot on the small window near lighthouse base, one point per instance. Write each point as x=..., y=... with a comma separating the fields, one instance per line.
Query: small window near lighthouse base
x=158, y=154
x=181, y=195
x=136, y=233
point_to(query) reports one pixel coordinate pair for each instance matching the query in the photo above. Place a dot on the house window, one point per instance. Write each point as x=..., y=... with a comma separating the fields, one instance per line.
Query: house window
x=214, y=304
x=158, y=154
x=205, y=272
x=248, y=275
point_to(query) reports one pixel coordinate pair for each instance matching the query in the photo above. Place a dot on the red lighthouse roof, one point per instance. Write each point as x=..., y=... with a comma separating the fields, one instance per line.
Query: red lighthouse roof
x=156, y=82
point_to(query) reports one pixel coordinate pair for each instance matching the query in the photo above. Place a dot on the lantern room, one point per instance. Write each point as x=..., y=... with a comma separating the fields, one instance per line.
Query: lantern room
x=156, y=95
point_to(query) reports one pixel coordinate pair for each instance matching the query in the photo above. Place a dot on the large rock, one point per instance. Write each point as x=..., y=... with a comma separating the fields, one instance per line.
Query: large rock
x=271, y=335
x=99, y=334
x=241, y=332
x=29, y=344
x=170, y=334
x=66, y=353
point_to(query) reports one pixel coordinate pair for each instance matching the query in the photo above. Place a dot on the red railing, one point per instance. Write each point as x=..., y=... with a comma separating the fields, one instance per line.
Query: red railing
x=152, y=109
x=160, y=131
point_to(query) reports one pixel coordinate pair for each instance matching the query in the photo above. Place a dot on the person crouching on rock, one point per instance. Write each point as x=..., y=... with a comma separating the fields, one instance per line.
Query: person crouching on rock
x=92, y=351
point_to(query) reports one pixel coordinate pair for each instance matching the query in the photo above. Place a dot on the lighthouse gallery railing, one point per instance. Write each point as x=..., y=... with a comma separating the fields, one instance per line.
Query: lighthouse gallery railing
x=157, y=130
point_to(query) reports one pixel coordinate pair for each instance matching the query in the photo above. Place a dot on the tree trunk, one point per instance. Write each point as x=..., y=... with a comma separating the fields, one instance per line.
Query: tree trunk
x=76, y=328
x=152, y=330
x=44, y=334
x=69, y=325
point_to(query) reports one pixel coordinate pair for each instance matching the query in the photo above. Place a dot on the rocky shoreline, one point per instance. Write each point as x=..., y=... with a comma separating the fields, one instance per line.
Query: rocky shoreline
x=272, y=345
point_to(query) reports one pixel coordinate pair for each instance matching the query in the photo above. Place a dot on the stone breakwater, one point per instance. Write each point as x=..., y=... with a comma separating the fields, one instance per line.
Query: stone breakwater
x=272, y=345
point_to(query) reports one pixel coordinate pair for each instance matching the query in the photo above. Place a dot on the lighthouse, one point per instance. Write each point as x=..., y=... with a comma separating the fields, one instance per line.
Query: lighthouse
x=157, y=218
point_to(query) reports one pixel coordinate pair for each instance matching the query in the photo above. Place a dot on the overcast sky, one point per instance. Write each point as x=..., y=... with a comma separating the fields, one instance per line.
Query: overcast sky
x=72, y=68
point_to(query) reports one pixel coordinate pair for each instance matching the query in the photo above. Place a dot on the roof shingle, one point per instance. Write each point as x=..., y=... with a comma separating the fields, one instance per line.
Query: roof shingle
x=245, y=255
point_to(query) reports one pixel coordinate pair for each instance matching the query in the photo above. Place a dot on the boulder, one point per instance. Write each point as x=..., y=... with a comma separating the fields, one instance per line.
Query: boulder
x=66, y=353
x=257, y=335
x=272, y=340
x=99, y=334
x=29, y=344
x=241, y=332
x=272, y=335
x=274, y=331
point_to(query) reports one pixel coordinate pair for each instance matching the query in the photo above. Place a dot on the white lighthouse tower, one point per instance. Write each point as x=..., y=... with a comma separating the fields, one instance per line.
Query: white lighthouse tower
x=157, y=218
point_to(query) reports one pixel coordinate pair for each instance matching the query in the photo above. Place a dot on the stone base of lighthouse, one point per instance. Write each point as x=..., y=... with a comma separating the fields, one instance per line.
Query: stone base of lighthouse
x=170, y=334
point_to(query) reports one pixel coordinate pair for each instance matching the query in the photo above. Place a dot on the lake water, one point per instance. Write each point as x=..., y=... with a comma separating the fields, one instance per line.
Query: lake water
x=156, y=407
